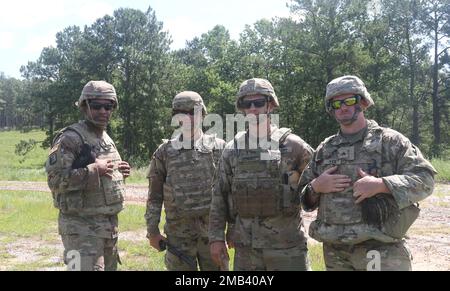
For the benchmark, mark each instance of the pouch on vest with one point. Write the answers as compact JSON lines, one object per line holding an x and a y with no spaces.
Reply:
{"x":398,"y":225}
{"x":382,"y":212}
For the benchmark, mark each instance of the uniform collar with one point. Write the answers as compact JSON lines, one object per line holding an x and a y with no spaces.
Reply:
{"x":364,"y":134}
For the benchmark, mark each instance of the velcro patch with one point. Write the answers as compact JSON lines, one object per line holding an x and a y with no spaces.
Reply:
{"x":52,"y":159}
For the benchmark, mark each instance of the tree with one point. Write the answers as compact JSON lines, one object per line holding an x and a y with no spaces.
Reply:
{"x":436,"y":18}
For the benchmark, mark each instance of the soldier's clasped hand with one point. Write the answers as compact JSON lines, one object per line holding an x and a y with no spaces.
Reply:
{"x":368,"y":186}
{"x":330,"y":183}
{"x":105,"y":168}
{"x":125,"y":169}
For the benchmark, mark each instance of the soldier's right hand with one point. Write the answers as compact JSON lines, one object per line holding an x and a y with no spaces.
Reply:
{"x":330,"y":183}
{"x":218,"y":251}
{"x":154,"y":241}
{"x":104,"y":168}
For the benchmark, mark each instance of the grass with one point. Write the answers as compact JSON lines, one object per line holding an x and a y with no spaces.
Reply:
{"x":29,"y":219}
{"x":26,"y":213}
{"x":316,"y":260}
{"x":22,"y":168}
{"x":138,"y":176}
{"x":443,"y":169}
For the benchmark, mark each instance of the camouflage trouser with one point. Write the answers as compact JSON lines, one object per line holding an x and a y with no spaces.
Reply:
{"x":96,"y":253}
{"x":250,"y":259}
{"x":196,"y":248}
{"x":369,"y":255}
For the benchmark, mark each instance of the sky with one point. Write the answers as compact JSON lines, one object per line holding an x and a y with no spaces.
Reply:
{"x":27,"y":26}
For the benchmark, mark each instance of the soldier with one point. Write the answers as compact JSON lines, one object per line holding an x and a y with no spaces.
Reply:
{"x":256,"y":195}
{"x":86,"y":177}
{"x":181,"y":178}
{"x":365,"y":181}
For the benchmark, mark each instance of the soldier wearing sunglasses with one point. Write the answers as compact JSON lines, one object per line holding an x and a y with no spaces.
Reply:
{"x":365,"y":181}
{"x":86,"y":176}
{"x":255,"y":198}
{"x":180,"y":178}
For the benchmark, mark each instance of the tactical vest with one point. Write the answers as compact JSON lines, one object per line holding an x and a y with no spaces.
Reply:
{"x":257,"y":188}
{"x":188,"y":185}
{"x":339,"y":219}
{"x":107,"y":198}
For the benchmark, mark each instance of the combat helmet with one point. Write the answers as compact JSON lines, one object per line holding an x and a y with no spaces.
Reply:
{"x":256,"y":86}
{"x":347,"y":85}
{"x":98,"y":90}
{"x":187,"y":101}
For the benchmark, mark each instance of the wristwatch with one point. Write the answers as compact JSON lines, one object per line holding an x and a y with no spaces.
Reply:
{"x":311,"y":190}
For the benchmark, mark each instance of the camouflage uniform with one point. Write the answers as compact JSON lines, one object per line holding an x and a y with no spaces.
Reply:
{"x":181,"y":179}
{"x":257,"y":198}
{"x":380,"y":152}
{"x":88,"y":204}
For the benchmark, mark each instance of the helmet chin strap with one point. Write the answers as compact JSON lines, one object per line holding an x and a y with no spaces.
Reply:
{"x":358,"y":110}
{"x":89,"y":117}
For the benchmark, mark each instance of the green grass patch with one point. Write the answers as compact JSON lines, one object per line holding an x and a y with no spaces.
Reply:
{"x":138,"y":176}
{"x":132,"y":218}
{"x":24,"y":213}
{"x":443,"y":169}
{"x":139,"y":256}
{"x":29,"y":167}
{"x":315,"y":256}
{"x":41,"y":264}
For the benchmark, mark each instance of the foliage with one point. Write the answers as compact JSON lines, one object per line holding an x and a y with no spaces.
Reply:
{"x":399,"y":48}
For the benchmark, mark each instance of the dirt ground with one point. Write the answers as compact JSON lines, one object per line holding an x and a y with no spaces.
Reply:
{"x":429,"y":238}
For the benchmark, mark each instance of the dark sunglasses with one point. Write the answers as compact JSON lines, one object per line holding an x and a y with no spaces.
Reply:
{"x":175,"y":112}
{"x":99,"y":106}
{"x":247,"y":104}
{"x":350,"y":101}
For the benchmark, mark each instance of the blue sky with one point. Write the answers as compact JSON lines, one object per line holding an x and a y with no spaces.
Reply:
{"x":27,"y":26}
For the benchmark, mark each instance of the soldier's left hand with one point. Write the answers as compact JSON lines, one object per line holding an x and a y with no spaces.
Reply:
{"x":366,"y":187}
{"x":125,"y":169}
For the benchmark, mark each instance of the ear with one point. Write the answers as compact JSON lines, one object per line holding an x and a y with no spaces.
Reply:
{"x":364,"y":104}
{"x":271,"y":107}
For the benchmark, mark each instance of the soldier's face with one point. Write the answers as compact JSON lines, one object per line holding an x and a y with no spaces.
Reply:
{"x":100,"y":111}
{"x":256,"y":104}
{"x":344,"y":115}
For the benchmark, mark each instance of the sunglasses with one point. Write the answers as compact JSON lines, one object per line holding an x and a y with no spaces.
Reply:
{"x":350,"y":101}
{"x":99,"y":106}
{"x":247,"y":104}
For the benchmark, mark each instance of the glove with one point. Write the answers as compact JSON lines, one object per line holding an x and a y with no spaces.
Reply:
{"x":86,"y":157}
{"x":377,"y":210}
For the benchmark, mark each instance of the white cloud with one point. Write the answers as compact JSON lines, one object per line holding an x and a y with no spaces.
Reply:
{"x":6,"y":40}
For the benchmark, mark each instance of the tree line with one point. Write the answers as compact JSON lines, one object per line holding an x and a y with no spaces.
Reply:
{"x":399,"y":48}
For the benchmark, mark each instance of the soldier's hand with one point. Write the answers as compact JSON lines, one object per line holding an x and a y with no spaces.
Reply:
{"x":330,"y":183}
{"x":218,"y":251}
{"x":104,"y":168}
{"x":125,"y":169}
{"x":154,"y":241}
{"x":368,"y":186}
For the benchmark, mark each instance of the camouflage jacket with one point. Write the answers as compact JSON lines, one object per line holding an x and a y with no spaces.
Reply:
{"x":386,"y":154}
{"x":280,"y":230}
{"x":181,"y":179}
{"x":88,"y":204}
